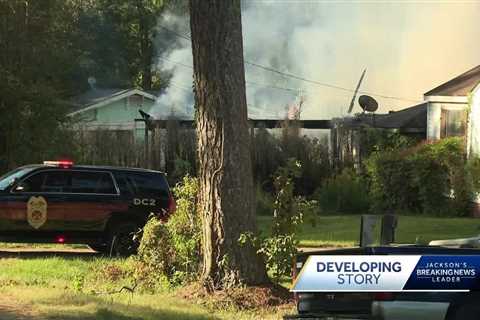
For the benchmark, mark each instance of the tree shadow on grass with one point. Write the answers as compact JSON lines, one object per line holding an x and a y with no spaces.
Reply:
{"x":101,"y":309}
{"x":105,"y":314}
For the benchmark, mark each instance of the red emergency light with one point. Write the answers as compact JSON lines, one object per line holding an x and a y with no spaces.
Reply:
{"x":59,"y":163}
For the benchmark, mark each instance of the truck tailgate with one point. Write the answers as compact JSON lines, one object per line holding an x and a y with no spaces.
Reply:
{"x":338,"y":302}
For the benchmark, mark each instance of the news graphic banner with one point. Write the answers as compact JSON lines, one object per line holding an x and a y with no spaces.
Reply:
{"x":389,"y":273}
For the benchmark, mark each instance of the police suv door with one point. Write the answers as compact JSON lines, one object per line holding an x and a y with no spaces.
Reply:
{"x":36,"y":203}
{"x":94,"y":197}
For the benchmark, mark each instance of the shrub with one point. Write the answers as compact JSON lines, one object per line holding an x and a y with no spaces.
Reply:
{"x":285,"y":217}
{"x":279,"y":252}
{"x":390,"y":184}
{"x":172,"y":249}
{"x":345,"y":193}
{"x":431,"y":178}
{"x":381,"y":140}
{"x":185,"y":230}
{"x":156,"y":248}
{"x":289,"y":212}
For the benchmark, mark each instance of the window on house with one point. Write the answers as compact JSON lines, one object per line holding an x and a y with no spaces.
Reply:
{"x":454,"y":123}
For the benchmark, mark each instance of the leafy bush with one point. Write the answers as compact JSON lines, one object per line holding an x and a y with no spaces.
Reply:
{"x":279,"y":252}
{"x":345,"y":193}
{"x":389,"y":182}
{"x":431,"y":178}
{"x":286,"y":218}
{"x":185,"y":230}
{"x":289,"y":212}
{"x":156,"y":248}
{"x":172,"y":249}
{"x":381,"y":140}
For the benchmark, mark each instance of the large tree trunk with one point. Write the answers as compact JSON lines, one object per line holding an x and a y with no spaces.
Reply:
{"x":225,"y":168}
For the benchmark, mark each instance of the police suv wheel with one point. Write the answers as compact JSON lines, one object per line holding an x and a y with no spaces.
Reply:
{"x":123,"y":240}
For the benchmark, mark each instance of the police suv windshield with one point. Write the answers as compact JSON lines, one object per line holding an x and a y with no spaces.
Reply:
{"x":7,"y":179}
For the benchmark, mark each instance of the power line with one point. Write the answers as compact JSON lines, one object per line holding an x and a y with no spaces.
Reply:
{"x":293,"y":91}
{"x":293,"y":76}
{"x":290,"y":90}
{"x":247,"y":82}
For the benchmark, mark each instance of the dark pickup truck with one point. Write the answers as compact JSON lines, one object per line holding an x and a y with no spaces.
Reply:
{"x":386,"y":305}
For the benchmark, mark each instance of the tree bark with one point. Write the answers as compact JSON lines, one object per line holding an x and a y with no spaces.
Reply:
{"x":226,"y":199}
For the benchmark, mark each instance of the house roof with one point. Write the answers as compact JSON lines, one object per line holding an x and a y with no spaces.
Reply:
{"x":96,"y":98}
{"x":412,"y":119}
{"x":458,"y":86}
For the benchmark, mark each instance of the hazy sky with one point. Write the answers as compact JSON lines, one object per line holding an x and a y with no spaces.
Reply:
{"x":407,"y":48}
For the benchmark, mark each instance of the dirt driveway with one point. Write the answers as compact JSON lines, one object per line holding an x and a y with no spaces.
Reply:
{"x":46,"y":252}
{"x":13,"y":310}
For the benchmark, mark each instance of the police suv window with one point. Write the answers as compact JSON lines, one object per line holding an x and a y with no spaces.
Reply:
{"x":32,"y":184}
{"x":124,"y":184}
{"x":7,"y":179}
{"x":48,"y":181}
{"x":92,"y":182}
{"x":56,"y":181}
{"x":151,"y":185}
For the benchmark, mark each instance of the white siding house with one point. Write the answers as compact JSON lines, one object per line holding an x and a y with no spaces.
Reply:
{"x":111,"y":109}
{"x":452,"y":109}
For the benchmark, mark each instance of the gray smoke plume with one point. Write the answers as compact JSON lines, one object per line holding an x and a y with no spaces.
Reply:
{"x":407,"y":49}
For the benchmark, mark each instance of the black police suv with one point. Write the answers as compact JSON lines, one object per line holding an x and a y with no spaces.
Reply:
{"x":59,"y":202}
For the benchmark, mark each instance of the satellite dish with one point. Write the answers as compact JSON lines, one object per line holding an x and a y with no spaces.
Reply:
{"x":367,"y":103}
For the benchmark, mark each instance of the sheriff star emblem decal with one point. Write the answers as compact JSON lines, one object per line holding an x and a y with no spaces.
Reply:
{"x":36,"y":211}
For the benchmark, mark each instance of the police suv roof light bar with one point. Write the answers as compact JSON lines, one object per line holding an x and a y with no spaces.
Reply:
{"x":60,"y":163}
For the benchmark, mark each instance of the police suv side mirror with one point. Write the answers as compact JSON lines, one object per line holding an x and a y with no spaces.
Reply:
{"x":17,"y":187}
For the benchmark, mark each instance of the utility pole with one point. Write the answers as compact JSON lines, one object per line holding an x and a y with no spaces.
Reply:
{"x":147,"y":120}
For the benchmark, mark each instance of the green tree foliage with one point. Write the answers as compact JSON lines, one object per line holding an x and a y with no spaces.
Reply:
{"x":35,"y":64}
{"x":48,"y":50}
{"x":134,"y":24}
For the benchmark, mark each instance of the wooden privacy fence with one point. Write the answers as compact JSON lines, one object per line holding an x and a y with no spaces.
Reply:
{"x":166,"y":144}
{"x":160,"y":151}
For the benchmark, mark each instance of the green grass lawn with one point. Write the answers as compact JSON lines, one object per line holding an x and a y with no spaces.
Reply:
{"x":74,"y":286}
{"x":344,"y":230}
{"x":60,"y":287}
